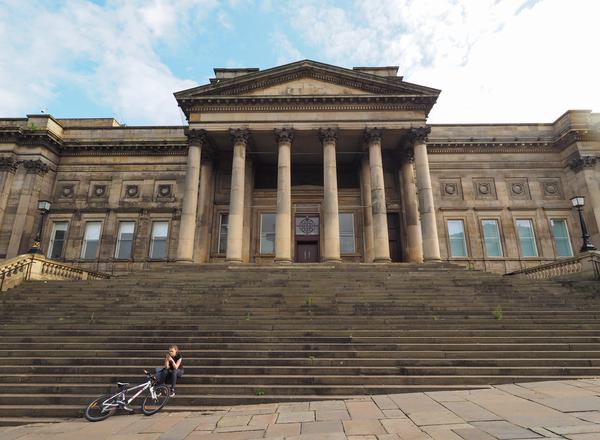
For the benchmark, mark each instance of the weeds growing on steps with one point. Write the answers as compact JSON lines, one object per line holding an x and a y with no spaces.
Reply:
{"x":498,"y":312}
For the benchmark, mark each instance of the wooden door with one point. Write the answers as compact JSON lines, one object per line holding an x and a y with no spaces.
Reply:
{"x":307,"y":252}
{"x":393,"y":221}
{"x":307,"y":238}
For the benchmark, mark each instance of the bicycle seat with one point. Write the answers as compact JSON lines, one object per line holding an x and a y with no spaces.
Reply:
{"x":122,"y":384}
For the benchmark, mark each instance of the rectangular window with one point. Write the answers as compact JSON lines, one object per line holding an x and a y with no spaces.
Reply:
{"x":491,"y":238}
{"x":267,"y":233}
{"x":456,"y":234}
{"x":346,"y":233}
{"x":223,"y":225}
{"x":560,"y":233}
{"x":91,"y":240}
{"x":527,"y":238}
{"x":57,"y":240}
{"x":158,"y":243}
{"x":125,"y":240}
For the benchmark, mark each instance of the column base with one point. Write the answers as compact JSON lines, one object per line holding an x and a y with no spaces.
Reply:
{"x":332,"y":260}
{"x":184,"y":260}
{"x":283,"y":261}
{"x":382,"y":260}
{"x":432,"y":260}
{"x":233,"y":260}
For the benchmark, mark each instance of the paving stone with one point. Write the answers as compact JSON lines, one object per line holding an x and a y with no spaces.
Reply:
{"x":328,"y":436}
{"x":332,"y":415}
{"x":182,"y":429}
{"x":444,"y":432}
{"x":387,"y":437}
{"x":233,"y":421}
{"x":293,"y":407}
{"x":321,"y":427}
{"x":588,"y":416}
{"x":384,"y":402}
{"x":393,"y":414}
{"x":446,"y":396}
{"x":405,"y":429}
{"x":505,"y":430}
{"x":297,"y":416}
{"x":470,"y":412}
{"x":328,"y":405}
{"x":239,"y":429}
{"x":575,"y":429}
{"x":284,"y":430}
{"x":473,"y":434}
{"x":263,"y":420}
{"x":361,"y":437}
{"x":239,"y":435}
{"x":423,"y":410}
{"x":582,"y":437}
{"x":444,"y":417}
{"x":364,"y":410}
{"x":149,"y":436}
{"x":570,"y":404}
{"x":163,"y":424}
{"x":363,"y":427}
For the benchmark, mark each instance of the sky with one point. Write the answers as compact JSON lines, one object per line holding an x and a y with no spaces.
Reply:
{"x":494,"y":60}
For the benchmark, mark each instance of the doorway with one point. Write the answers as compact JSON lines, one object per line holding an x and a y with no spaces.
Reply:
{"x":307,"y":238}
{"x":393,"y":221}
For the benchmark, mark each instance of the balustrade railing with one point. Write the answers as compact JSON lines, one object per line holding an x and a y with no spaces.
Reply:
{"x":587,"y":264}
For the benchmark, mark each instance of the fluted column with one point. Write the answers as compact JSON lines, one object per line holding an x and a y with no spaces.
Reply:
{"x":365,"y":180}
{"x":381,"y":242}
{"x":431,"y":244}
{"x":414,"y":244}
{"x":283,"y":223}
{"x":187,"y":225}
{"x":331,"y":220}
{"x":240,"y":138}
{"x":205,"y":195}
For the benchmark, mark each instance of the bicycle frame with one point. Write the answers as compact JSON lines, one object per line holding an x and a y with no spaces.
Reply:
{"x":122,"y":394}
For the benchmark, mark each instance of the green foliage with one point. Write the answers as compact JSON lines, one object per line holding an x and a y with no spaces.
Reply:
{"x":498,"y":312}
{"x":248,"y":315}
{"x":260,"y":392}
{"x":32,"y":126}
{"x":309,"y":301}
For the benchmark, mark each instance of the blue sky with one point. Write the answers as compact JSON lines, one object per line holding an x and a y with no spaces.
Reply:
{"x":495,"y":60}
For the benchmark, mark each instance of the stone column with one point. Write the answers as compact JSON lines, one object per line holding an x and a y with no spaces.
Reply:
{"x":235,"y":231}
{"x":187,"y":225}
{"x":8,"y":167}
{"x":205,"y":195}
{"x":331,"y":220}
{"x":431,"y":244}
{"x":365,"y":180}
{"x":414,"y":243}
{"x":381,"y":242}
{"x":26,"y":215}
{"x":283,"y":224}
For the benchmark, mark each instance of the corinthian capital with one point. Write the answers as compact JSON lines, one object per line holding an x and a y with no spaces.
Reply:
{"x":8,"y":163}
{"x":327,"y":135}
{"x":419,"y":134}
{"x":197,"y":137}
{"x":36,"y":167}
{"x":284,"y":135}
{"x":239,"y":135}
{"x":373,"y":135}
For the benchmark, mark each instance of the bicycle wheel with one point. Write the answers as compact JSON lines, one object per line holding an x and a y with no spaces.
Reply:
{"x":152,"y":406}
{"x":95,"y":411}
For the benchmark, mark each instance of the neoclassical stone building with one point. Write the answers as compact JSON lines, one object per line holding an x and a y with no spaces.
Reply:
{"x":304,"y":162}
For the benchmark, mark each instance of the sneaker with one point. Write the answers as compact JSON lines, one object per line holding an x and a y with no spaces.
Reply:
{"x":172,"y":394}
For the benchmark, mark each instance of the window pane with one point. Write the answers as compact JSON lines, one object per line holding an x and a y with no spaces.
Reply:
{"x":57,"y":239}
{"x":526,"y":238}
{"x":561,"y":238}
{"x":456,"y":233}
{"x":346,"y":233}
{"x":158,"y":245}
{"x":125,"y":240}
{"x":223,"y":233}
{"x":91,"y":240}
{"x":267,"y":233}
{"x":491,"y":237}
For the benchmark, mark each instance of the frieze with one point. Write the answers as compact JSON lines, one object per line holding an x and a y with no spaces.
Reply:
{"x":125,"y":149}
{"x":489,"y":147}
{"x":284,"y":135}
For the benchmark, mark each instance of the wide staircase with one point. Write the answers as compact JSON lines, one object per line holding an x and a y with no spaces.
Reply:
{"x":253,"y":334}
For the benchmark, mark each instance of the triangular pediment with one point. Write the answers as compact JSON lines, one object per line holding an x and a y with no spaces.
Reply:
{"x":306,"y":78}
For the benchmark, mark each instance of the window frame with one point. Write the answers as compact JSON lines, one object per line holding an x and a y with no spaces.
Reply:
{"x":219,"y":225}
{"x":166,"y":239}
{"x":351,"y":213}
{"x":118,"y":241}
{"x":465,"y":241}
{"x":260,"y":232}
{"x":566,"y":222}
{"x":52,"y":240}
{"x":500,"y":240}
{"x":535,"y":241}
{"x":84,"y":241}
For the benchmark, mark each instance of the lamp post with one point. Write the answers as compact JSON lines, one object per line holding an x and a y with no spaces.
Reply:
{"x":44,"y":207}
{"x":578,"y":203}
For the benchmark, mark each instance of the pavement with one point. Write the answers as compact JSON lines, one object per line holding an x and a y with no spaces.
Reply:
{"x":568,"y":409}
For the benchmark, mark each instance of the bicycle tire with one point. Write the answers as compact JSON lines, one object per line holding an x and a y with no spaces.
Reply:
{"x":90,"y":414}
{"x":152,"y":406}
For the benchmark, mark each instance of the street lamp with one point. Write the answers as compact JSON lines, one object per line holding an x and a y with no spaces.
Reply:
{"x":578,"y":203}
{"x":44,"y":207}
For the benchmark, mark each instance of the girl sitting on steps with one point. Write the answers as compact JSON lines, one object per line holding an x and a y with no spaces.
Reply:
{"x":172,"y":368}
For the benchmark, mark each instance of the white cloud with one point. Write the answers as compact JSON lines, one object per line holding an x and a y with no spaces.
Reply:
{"x":509,"y":60}
{"x":109,"y":50}
{"x":285,"y":50}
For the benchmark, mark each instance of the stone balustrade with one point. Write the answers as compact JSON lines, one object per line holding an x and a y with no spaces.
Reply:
{"x":586,"y":265}
{"x":37,"y":267}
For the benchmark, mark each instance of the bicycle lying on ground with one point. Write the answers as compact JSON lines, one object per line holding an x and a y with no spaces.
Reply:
{"x":105,"y":406}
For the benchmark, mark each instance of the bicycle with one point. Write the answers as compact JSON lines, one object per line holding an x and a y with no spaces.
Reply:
{"x":105,"y":406}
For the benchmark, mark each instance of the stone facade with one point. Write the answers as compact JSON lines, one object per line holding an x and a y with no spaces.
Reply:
{"x":303,"y":162}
